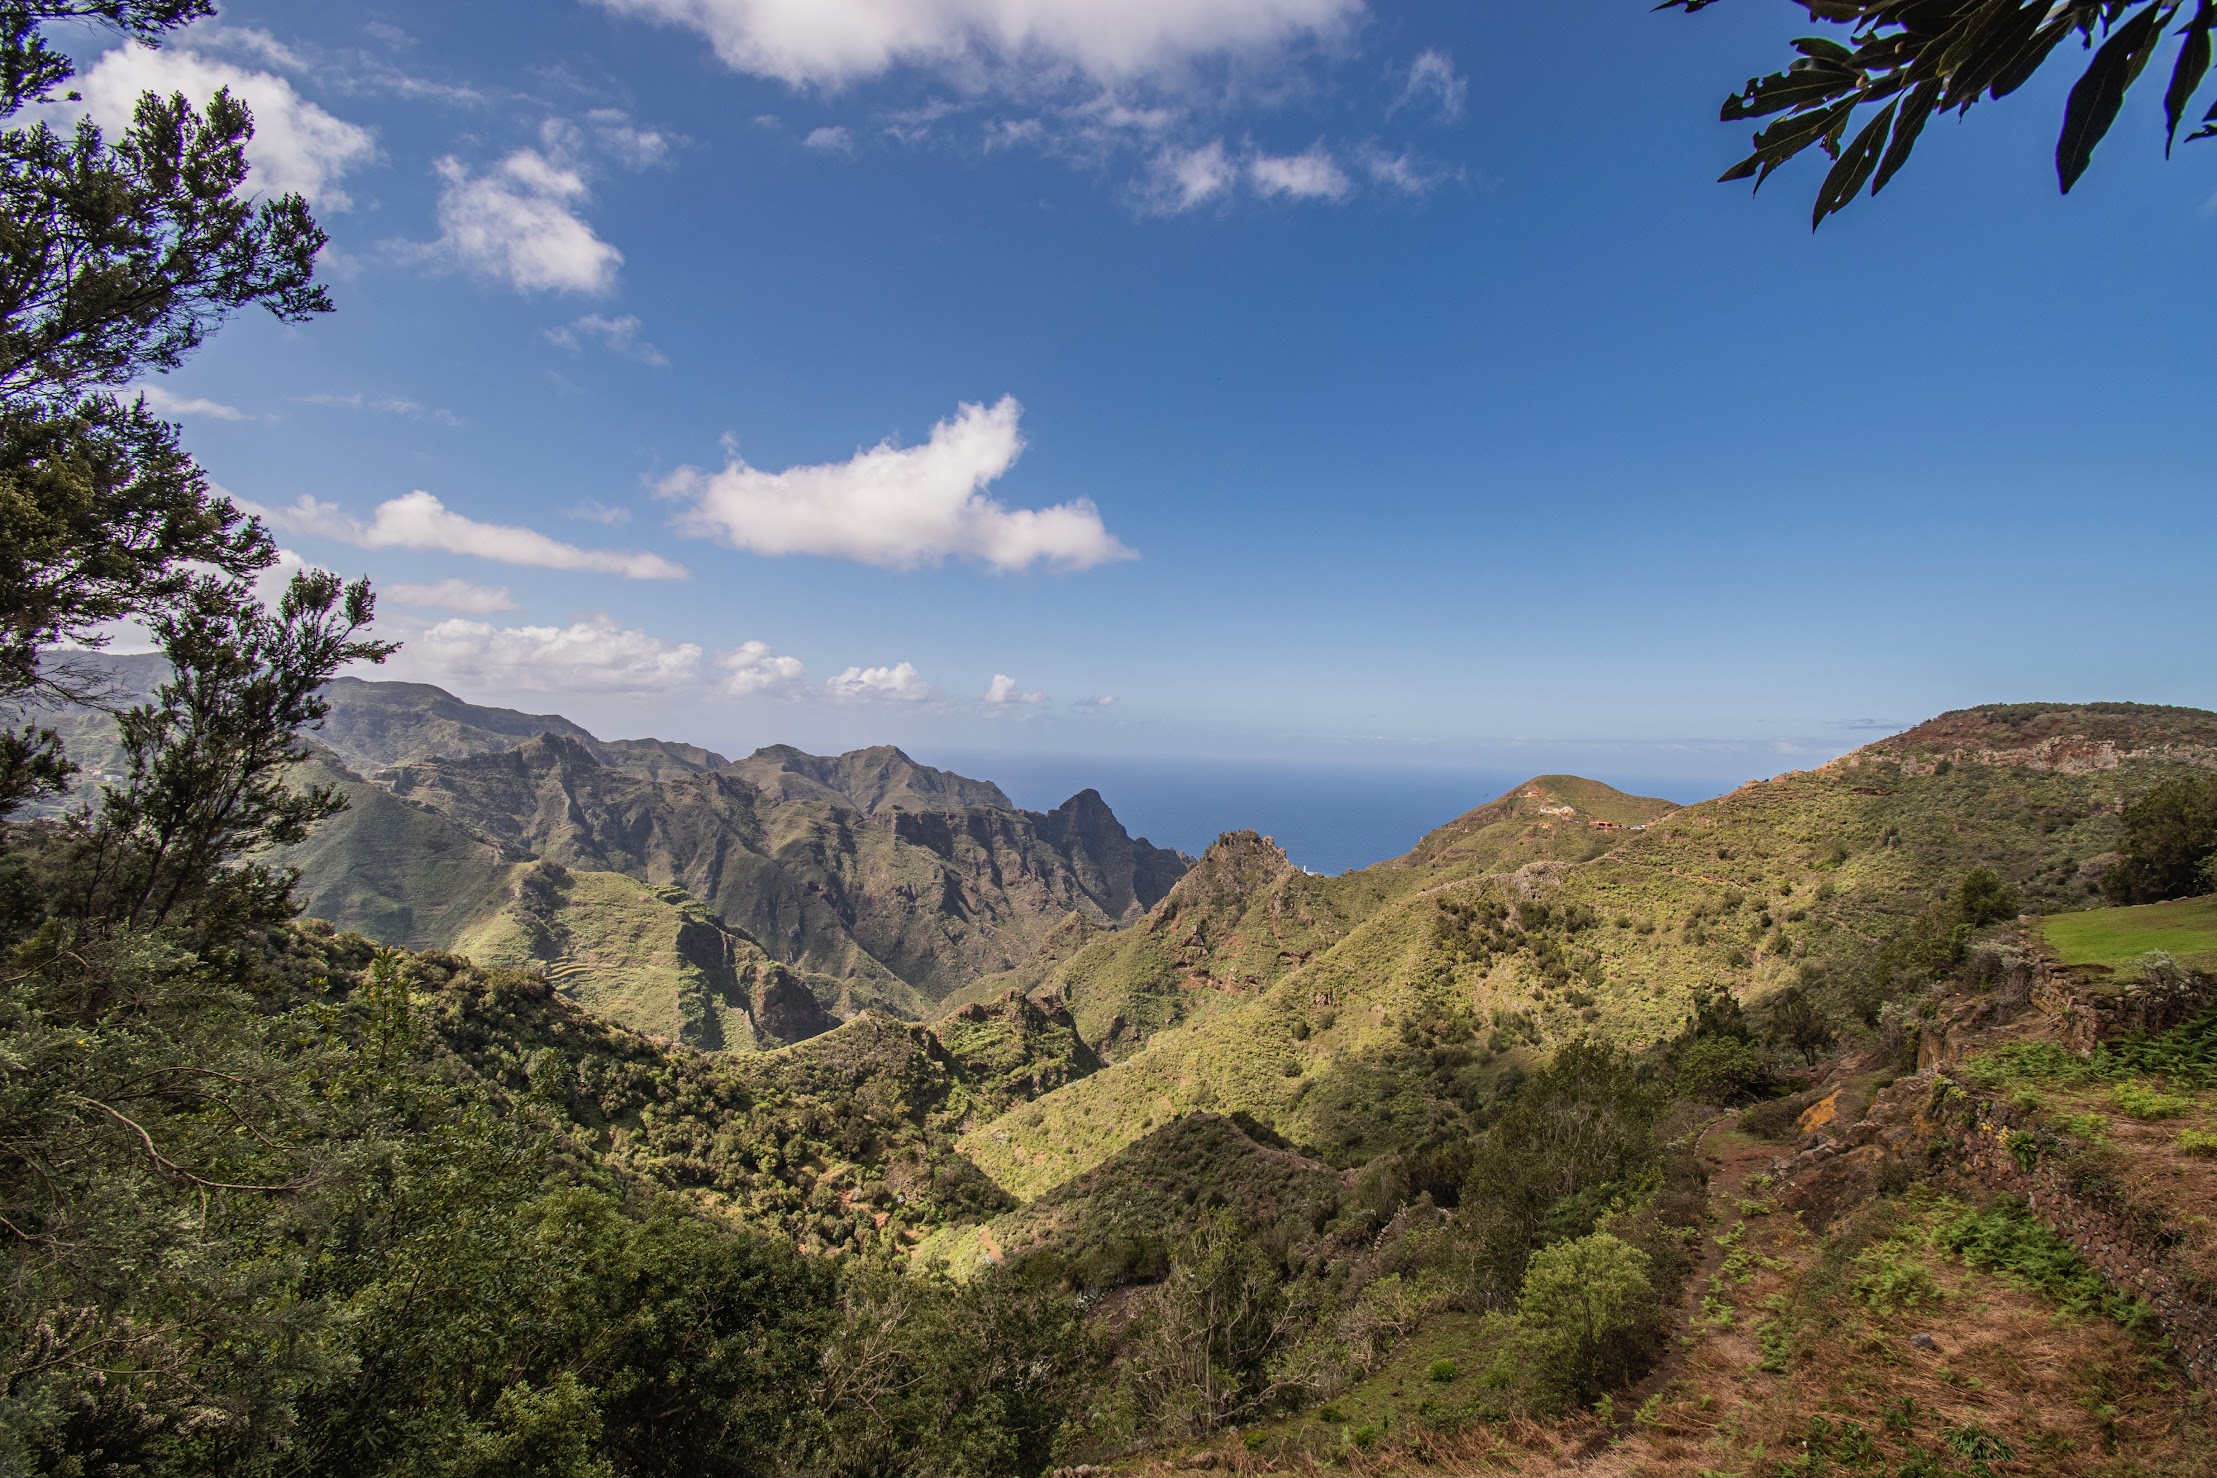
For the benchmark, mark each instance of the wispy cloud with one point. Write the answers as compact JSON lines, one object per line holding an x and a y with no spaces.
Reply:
{"x":1182,"y":179}
{"x":451,"y":595}
{"x":899,"y":507}
{"x":1309,"y":175}
{"x":1403,"y":172}
{"x":420,"y":521}
{"x":832,"y":139}
{"x":1433,"y":83}
{"x":606,"y":514}
{"x":384,"y":405}
{"x":165,"y":403}
{"x":809,"y":43}
{"x":622,"y":336}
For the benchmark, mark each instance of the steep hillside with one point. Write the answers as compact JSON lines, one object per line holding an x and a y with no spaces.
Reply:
{"x":879,"y":882}
{"x":843,"y":1142}
{"x":375,"y":724}
{"x":868,"y":780}
{"x":397,"y":872}
{"x":1244,"y":915}
{"x":902,"y":905}
{"x":652,"y":959}
{"x":1401,"y":1030}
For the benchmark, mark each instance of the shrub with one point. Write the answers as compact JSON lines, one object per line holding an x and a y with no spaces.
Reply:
{"x":1982,"y":898}
{"x":2198,"y":1142}
{"x":1590,"y":1308}
{"x":2170,"y":834}
{"x":1441,"y":1371}
{"x":1798,"y":1023}
{"x":2144,"y":1102}
{"x":1720,"y":1070}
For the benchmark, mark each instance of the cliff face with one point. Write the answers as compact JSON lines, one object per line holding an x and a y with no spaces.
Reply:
{"x":881,"y":881}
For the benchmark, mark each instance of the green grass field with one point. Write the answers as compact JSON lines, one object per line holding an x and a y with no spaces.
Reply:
{"x":2185,"y":928}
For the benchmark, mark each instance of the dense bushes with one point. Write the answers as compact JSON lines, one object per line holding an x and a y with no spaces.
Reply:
{"x":2170,"y":840}
{"x":1591,"y":1314}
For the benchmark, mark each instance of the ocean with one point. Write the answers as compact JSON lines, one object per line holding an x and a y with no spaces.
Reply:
{"x":1328,"y":819}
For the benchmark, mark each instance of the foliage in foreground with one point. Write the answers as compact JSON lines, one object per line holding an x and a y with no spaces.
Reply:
{"x":1910,"y":59}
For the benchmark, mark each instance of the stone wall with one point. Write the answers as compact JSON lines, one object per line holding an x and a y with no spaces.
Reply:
{"x":2084,"y":1012}
{"x":2006,"y":1152}
{"x":1930,"y":1117}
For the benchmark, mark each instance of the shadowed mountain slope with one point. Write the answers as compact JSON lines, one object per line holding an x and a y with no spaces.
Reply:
{"x":902,"y":905}
{"x":877,"y":881}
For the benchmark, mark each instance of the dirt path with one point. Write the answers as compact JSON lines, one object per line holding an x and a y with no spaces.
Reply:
{"x":1732,"y":1159}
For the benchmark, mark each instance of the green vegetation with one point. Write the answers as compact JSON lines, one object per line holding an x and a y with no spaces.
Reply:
{"x":2119,"y":937}
{"x":895,"y":907}
{"x":2169,"y":841}
{"x":1815,"y":899}
{"x":1912,"y":59}
{"x":1374,"y":1158}
{"x":1590,"y":1310}
{"x":1245,"y":917}
{"x":653,"y":959}
{"x":2004,"y":1238}
{"x":2184,"y":1058}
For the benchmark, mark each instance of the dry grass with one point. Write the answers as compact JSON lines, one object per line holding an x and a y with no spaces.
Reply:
{"x":2066,"y":1396}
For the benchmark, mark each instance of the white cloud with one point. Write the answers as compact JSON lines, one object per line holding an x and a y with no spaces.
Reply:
{"x":832,"y":140}
{"x":385,"y":405}
{"x":451,"y":595}
{"x":1400,"y":172}
{"x":1003,"y":692}
{"x":1181,"y":179}
{"x":606,"y":514}
{"x":420,"y":521}
{"x":593,"y":654}
{"x":1104,"y":701}
{"x":631,"y":145}
{"x":296,"y":145}
{"x":617,"y":335}
{"x":165,"y":403}
{"x":899,"y":507}
{"x":1433,"y":81}
{"x":519,"y":225}
{"x":752,"y":670}
{"x":1310,"y":175}
{"x":897,"y":684}
{"x":271,"y":584}
{"x":805,"y":42}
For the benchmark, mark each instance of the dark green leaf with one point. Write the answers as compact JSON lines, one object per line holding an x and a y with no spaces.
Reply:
{"x":1917,"y":108}
{"x":1854,"y":166}
{"x":2100,"y":93}
{"x":2193,"y":65}
{"x":2029,"y":60}
{"x":1823,"y":49}
{"x":1989,"y":50}
{"x":1799,"y":86}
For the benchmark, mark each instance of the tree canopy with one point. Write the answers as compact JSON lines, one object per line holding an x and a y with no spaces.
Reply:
{"x":1910,"y":59}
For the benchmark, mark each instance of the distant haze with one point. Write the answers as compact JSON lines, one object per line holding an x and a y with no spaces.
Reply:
{"x":1328,"y":818}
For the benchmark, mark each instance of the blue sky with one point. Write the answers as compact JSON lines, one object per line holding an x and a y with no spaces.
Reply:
{"x":1320,"y":381}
